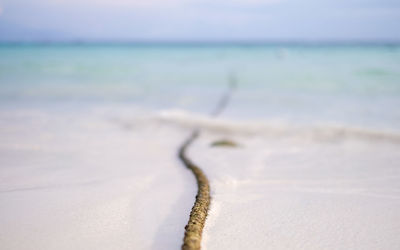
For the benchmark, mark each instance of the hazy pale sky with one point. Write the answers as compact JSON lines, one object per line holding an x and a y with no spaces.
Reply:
{"x":199,"y":20}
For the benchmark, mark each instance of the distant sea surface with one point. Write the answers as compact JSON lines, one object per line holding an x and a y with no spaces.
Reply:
{"x":301,"y":84}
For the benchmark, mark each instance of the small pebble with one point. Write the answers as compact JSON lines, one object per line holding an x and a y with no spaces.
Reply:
{"x":224,"y":143}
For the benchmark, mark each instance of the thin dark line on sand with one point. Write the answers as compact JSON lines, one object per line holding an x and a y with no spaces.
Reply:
{"x":198,"y":215}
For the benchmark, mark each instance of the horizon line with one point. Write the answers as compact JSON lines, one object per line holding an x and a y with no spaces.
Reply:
{"x":205,"y":42}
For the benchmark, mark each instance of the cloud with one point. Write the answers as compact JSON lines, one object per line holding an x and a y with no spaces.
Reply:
{"x":129,"y":3}
{"x":163,"y":3}
{"x":207,"y":19}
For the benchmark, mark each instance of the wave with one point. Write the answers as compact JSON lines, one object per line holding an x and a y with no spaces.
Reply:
{"x":273,"y":128}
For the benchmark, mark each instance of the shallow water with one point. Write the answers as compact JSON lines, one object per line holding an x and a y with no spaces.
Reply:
{"x":349,"y":84}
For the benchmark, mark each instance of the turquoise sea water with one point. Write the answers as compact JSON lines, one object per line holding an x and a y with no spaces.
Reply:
{"x":345,"y":84}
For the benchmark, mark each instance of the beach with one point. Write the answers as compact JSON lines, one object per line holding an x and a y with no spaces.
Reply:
{"x":90,"y":137}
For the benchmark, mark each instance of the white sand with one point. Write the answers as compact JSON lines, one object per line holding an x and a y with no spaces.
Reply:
{"x":296,"y":195}
{"x":105,"y":180}
{"x":86,"y":182}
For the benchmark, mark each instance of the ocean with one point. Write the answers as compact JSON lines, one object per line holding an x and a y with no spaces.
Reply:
{"x":345,"y":84}
{"x":90,"y":133}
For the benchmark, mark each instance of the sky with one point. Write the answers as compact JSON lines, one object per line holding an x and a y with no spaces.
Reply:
{"x":199,"y":20}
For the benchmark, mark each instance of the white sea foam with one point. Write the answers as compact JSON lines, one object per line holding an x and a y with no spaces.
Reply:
{"x":274,"y":128}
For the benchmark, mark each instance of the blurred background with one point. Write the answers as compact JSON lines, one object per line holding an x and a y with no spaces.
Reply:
{"x":302,"y":61}
{"x":199,"y":20}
